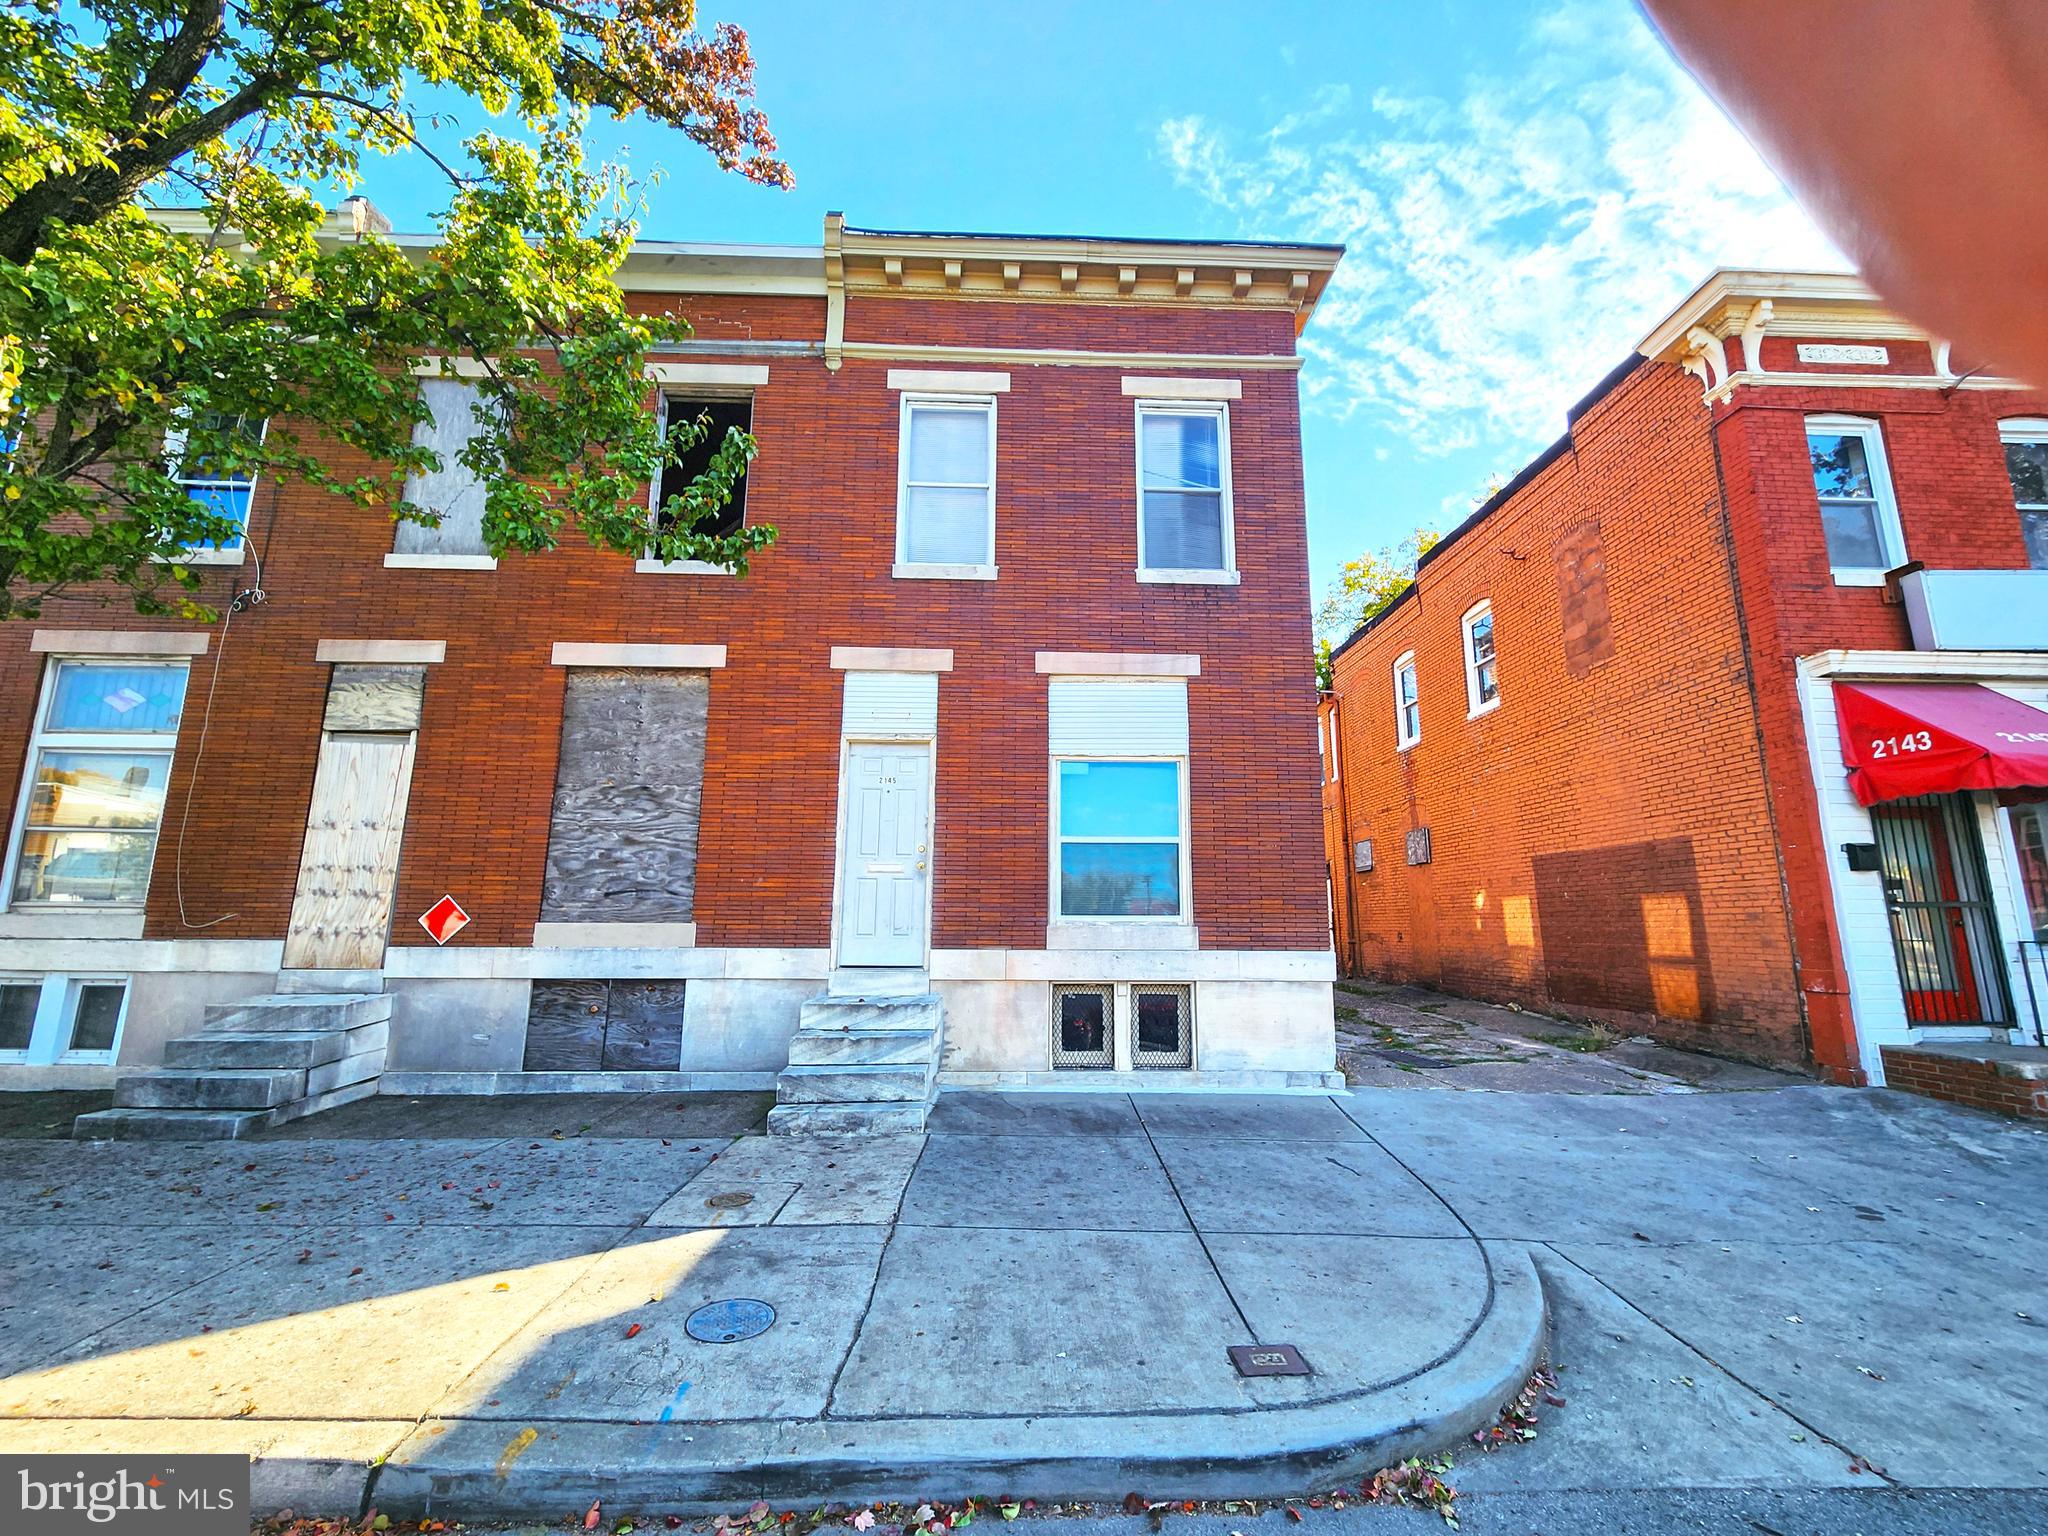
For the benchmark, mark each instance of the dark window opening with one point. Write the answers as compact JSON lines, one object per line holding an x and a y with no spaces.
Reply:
{"x":724,"y":415}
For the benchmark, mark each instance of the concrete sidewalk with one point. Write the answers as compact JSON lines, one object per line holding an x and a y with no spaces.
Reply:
{"x":1038,"y":1295}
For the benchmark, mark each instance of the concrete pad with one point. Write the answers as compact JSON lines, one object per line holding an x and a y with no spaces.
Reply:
{"x":64,"y":1283}
{"x":1032,"y":1182}
{"x":833,"y":1181}
{"x":575,"y":1362}
{"x":979,"y":1322}
{"x":1913,"y":1356}
{"x":971,"y":1113}
{"x":1643,"y":1410}
{"x":1291,"y":1117}
{"x":680,"y":1116}
{"x":303,"y":1464}
{"x":583,"y":1181}
{"x":373,"y":1324}
{"x":1301,"y":1186}
{"x":47,"y":1115}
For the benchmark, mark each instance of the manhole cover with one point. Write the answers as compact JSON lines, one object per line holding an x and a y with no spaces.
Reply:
{"x":1268,"y":1360}
{"x":730,"y":1201}
{"x":728,"y":1322}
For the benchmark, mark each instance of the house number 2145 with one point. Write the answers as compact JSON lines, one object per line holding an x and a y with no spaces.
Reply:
{"x":1892,"y":746}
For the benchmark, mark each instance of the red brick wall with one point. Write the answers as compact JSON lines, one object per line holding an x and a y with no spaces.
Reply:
{"x":1956,"y":511}
{"x":1979,"y":1084}
{"x":1600,"y":842}
{"x":826,"y":477}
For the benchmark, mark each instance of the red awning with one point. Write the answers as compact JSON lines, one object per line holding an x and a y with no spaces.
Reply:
{"x":1934,"y":738}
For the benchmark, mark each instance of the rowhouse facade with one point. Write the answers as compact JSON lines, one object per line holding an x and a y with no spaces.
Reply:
{"x":1615,"y":751}
{"x":1013,"y":711}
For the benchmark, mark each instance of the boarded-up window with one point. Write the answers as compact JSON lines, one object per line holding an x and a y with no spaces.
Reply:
{"x":453,"y":492}
{"x":1582,"y":598}
{"x":622,"y":842}
{"x":605,"y":1026}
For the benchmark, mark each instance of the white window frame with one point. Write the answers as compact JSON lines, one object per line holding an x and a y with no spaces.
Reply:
{"x":1891,"y":534}
{"x":41,"y":739}
{"x":1227,"y":575}
{"x":57,"y":1016}
{"x":1182,"y":919}
{"x":1405,"y":662}
{"x":174,"y":461}
{"x":1336,"y":750}
{"x":2023,"y":429}
{"x":904,"y":567}
{"x":1475,"y":705}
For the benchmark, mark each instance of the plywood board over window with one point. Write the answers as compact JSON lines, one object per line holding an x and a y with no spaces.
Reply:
{"x":622,"y":841}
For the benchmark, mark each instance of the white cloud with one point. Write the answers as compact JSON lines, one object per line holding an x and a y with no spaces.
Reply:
{"x":1508,"y":246}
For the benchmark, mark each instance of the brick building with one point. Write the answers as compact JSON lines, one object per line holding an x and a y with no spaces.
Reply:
{"x":1012,"y":715}
{"x":1594,"y":758}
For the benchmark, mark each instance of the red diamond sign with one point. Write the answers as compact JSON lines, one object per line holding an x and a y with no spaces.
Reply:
{"x":444,"y":919}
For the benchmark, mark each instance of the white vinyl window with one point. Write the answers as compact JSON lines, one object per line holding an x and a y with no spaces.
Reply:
{"x":212,"y":473}
{"x":1336,"y":752}
{"x":48,"y":1019}
{"x":946,"y":488}
{"x":1184,"y":514}
{"x":2026,"y":465}
{"x":93,"y":797}
{"x":1121,"y":830}
{"x":1407,"y":703}
{"x":454,"y":492}
{"x":1858,"y":513}
{"x":1482,"y":677}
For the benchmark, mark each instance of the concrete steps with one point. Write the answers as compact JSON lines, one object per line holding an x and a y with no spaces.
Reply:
{"x":860,"y":1064}
{"x":252,"y":1065}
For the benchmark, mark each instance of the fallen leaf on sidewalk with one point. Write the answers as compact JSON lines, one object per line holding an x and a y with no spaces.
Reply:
{"x":590,"y":1520}
{"x":632,"y":1330}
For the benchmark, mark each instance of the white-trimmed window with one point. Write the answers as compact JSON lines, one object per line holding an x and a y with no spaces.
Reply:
{"x":1482,"y":676}
{"x":946,"y":487}
{"x":213,"y":477}
{"x":1184,"y":517}
{"x":93,"y":798}
{"x":1336,"y":751}
{"x":1407,"y":703}
{"x":454,"y":492}
{"x":48,"y":1019}
{"x":1120,"y":826}
{"x":2026,"y":466}
{"x":1859,"y":515}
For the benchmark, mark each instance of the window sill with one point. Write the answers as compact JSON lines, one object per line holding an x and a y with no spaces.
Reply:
{"x":1483,"y":709}
{"x":1099,"y":933}
{"x":1858,"y":578}
{"x":66,"y":922}
{"x":908,"y":571}
{"x":233,"y":556}
{"x":679,"y":568}
{"x":1172,"y":578}
{"x":1411,"y":743}
{"x":398,"y":562}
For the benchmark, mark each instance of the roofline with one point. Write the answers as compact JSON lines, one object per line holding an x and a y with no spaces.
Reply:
{"x":1098,"y":246}
{"x":1592,"y":397}
{"x":1728,"y":286}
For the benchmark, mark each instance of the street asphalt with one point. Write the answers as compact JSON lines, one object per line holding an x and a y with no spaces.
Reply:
{"x":1782,"y":1309}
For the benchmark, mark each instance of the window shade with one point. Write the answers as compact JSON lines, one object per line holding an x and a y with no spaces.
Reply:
{"x":1091,"y":717}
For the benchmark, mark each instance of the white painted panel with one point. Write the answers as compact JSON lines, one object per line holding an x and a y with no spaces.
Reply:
{"x":891,"y":704}
{"x":1093,"y":717}
{"x":1977,"y":610}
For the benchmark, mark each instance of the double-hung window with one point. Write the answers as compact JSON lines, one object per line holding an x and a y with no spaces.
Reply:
{"x":946,"y":492}
{"x":1482,"y":676}
{"x":210,"y":460}
{"x":1121,"y":830}
{"x":1858,"y":513}
{"x":1407,"y":703}
{"x":1184,"y":516}
{"x":2026,"y":465}
{"x":87,"y":829}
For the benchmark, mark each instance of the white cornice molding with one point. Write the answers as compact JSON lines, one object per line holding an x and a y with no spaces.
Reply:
{"x":1075,"y":357}
{"x":2004,"y":666}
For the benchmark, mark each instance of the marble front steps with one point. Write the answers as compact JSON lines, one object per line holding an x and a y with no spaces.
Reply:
{"x":860,"y":1064}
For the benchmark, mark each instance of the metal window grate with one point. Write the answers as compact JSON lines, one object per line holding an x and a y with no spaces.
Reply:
{"x":1162,"y":1026}
{"x":1083,"y":1027}
{"x":1937,"y":897}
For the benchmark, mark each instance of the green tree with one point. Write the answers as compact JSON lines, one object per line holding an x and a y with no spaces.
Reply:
{"x":1371,"y":582}
{"x":125,"y":331}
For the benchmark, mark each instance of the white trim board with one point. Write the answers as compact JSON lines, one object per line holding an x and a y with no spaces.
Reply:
{"x":572,"y":653}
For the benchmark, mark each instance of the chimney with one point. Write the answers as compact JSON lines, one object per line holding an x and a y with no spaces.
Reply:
{"x":357,"y":216}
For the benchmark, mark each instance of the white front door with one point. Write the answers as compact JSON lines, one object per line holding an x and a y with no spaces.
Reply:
{"x":884,"y":862}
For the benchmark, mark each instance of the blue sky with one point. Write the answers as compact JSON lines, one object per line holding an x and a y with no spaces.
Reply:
{"x":1525,"y":186}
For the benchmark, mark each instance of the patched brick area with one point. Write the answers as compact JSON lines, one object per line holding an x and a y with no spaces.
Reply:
{"x":1959,"y":1079}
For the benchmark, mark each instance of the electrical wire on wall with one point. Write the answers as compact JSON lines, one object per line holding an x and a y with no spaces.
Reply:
{"x":247,"y":597}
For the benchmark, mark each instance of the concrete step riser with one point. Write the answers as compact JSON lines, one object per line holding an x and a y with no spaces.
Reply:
{"x":272,"y":1014}
{"x":872,"y":1085}
{"x":298,"y":1049}
{"x":821,"y":1015}
{"x":345,"y":1072}
{"x":209,"y":1090}
{"x":874,"y":1048}
{"x":844,"y":1119}
{"x":208,"y":1124}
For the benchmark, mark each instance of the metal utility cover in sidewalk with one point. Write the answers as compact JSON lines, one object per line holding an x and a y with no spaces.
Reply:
{"x":1268,"y":1360}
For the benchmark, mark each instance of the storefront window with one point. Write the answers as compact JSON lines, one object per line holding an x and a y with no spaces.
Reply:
{"x":2030,"y":834}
